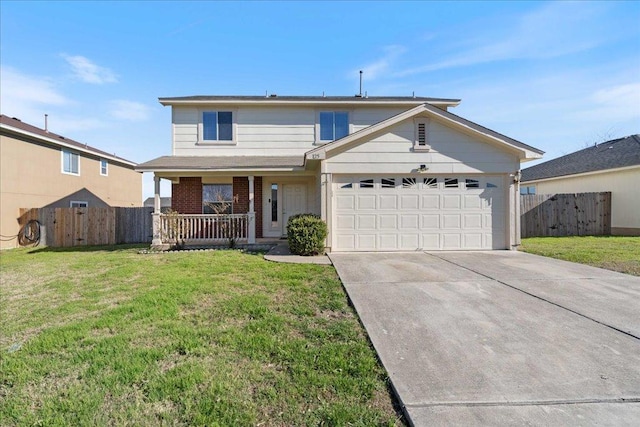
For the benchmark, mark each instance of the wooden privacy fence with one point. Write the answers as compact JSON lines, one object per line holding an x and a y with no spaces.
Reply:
{"x":63,"y":227}
{"x":558,"y":215}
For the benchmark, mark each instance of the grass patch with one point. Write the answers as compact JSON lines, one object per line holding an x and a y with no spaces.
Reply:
{"x":611,"y":252}
{"x":112,"y":337}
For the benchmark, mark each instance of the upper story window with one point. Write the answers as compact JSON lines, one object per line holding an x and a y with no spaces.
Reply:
{"x":217,"y":126}
{"x":70,"y":163}
{"x":421,"y":141}
{"x":104,"y":165}
{"x":333,"y":125}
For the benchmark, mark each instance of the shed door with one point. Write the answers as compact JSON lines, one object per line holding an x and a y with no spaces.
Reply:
{"x":400,"y":213}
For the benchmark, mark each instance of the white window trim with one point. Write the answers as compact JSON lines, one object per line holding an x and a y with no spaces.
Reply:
{"x":234,"y":127}
{"x":86,"y":204}
{"x":62,"y":162}
{"x":417,"y":122}
{"x":317,"y":140}
{"x":106,"y":167}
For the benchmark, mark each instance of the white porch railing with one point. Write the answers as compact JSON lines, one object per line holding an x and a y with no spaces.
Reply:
{"x":203,"y":229}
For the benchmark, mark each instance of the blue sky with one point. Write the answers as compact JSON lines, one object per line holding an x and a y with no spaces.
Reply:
{"x":555,"y":75}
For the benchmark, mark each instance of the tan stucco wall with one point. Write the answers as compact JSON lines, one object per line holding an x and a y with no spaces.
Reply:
{"x":31,"y":176}
{"x":623,"y":185}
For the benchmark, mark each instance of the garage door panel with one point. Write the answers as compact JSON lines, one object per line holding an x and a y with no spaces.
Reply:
{"x":431,"y":241}
{"x":451,"y":241}
{"x":431,"y":222}
{"x":450,"y":201}
{"x":409,"y":201}
{"x":472,"y":241}
{"x":366,"y":222}
{"x":366,"y":201}
{"x":345,"y":201}
{"x":388,"y":201}
{"x":418,"y":213}
{"x":346,"y":222}
{"x":388,"y":221}
{"x":472,"y":221}
{"x":472,"y":201}
{"x":409,"y":221}
{"x":451,"y":221}
{"x":409,"y":242}
{"x":346,"y":242}
{"x":431,"y":201}
{"x":387,"y":242}
{"x":366,"y":242}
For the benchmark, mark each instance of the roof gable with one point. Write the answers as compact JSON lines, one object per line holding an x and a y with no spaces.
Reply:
{"x":614,"y":154}
{"x":525,"y":151}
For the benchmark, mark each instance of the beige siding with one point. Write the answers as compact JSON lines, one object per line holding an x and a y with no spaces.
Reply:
{"x":264,"y":131}
{"x":451,"y":152}
{"x":31,"y":176}
{"x":623,"y":185}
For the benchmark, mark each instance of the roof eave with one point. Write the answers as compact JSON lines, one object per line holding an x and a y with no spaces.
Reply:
{"x":66,"y":145}
{"x":270,"y":101}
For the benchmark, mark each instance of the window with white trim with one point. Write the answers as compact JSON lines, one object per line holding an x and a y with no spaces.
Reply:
{"x":366,"y":183}
{"x":421,"y":141}
{"x":333,"y":125}
{"x":70,"y":163}
{"x":78,"y":204}
{"x":217,"y":126}
{"x":388,"y":183}
{"x":104,"y":165}
{"x":451,"y":183}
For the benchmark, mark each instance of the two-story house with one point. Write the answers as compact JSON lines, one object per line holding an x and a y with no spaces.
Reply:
{"x":385,"y":173}
{"x":39,"y":168}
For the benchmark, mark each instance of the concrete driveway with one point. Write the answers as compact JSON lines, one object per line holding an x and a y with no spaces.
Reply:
{"x":501,"y":338}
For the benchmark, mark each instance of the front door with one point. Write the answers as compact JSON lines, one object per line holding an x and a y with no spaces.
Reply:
{"x":295,"y":202}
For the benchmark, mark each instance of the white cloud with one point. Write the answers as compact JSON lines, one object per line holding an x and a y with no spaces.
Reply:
{"x":554,"y":30}
{"x":129,"y":110}
{"x":378,"y":68}
{"x":26,"y":96}
{"x":88,"y":72}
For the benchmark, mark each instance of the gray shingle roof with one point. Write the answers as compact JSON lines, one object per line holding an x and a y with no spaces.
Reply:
{"x":617,"y":153}
{"x":18,"y":124}
{"x":221,"y":162}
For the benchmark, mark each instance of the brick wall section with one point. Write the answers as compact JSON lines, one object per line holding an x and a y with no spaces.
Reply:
{"x":241,"y":198}
{"x":186,"y":196}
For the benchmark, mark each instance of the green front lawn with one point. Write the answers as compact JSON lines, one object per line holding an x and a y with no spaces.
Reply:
{"x":113,"y":337}
{"x":610,"y":252}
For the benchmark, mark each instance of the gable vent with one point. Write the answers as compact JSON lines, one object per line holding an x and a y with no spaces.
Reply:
{"x":422,"y":134}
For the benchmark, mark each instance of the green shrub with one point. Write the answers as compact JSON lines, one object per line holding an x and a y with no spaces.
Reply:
{"x":306,"y":234}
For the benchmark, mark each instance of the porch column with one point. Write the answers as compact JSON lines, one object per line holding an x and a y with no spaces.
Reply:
{"x":251,"y":237}
{"x":157,"y":238}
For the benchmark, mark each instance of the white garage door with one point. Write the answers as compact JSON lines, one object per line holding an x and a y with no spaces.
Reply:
{"x":426,"y":212}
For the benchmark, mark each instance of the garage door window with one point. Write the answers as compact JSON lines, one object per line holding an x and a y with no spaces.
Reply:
{"x":451,"y":183}
{"x":491,"y":185}
{"x":471,"y":183}
{"x":388,"y":183}
{"x":366,"y":183}
{"x":345,"y":186}
{"x":430,"y":182}
{"x":408,"y":183}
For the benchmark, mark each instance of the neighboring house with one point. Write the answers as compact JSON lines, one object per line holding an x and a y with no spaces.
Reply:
{"x":385,"y":173}
{"x":42,"y":169}
{"x":165,"y":203}
{"x":612,"y":166}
